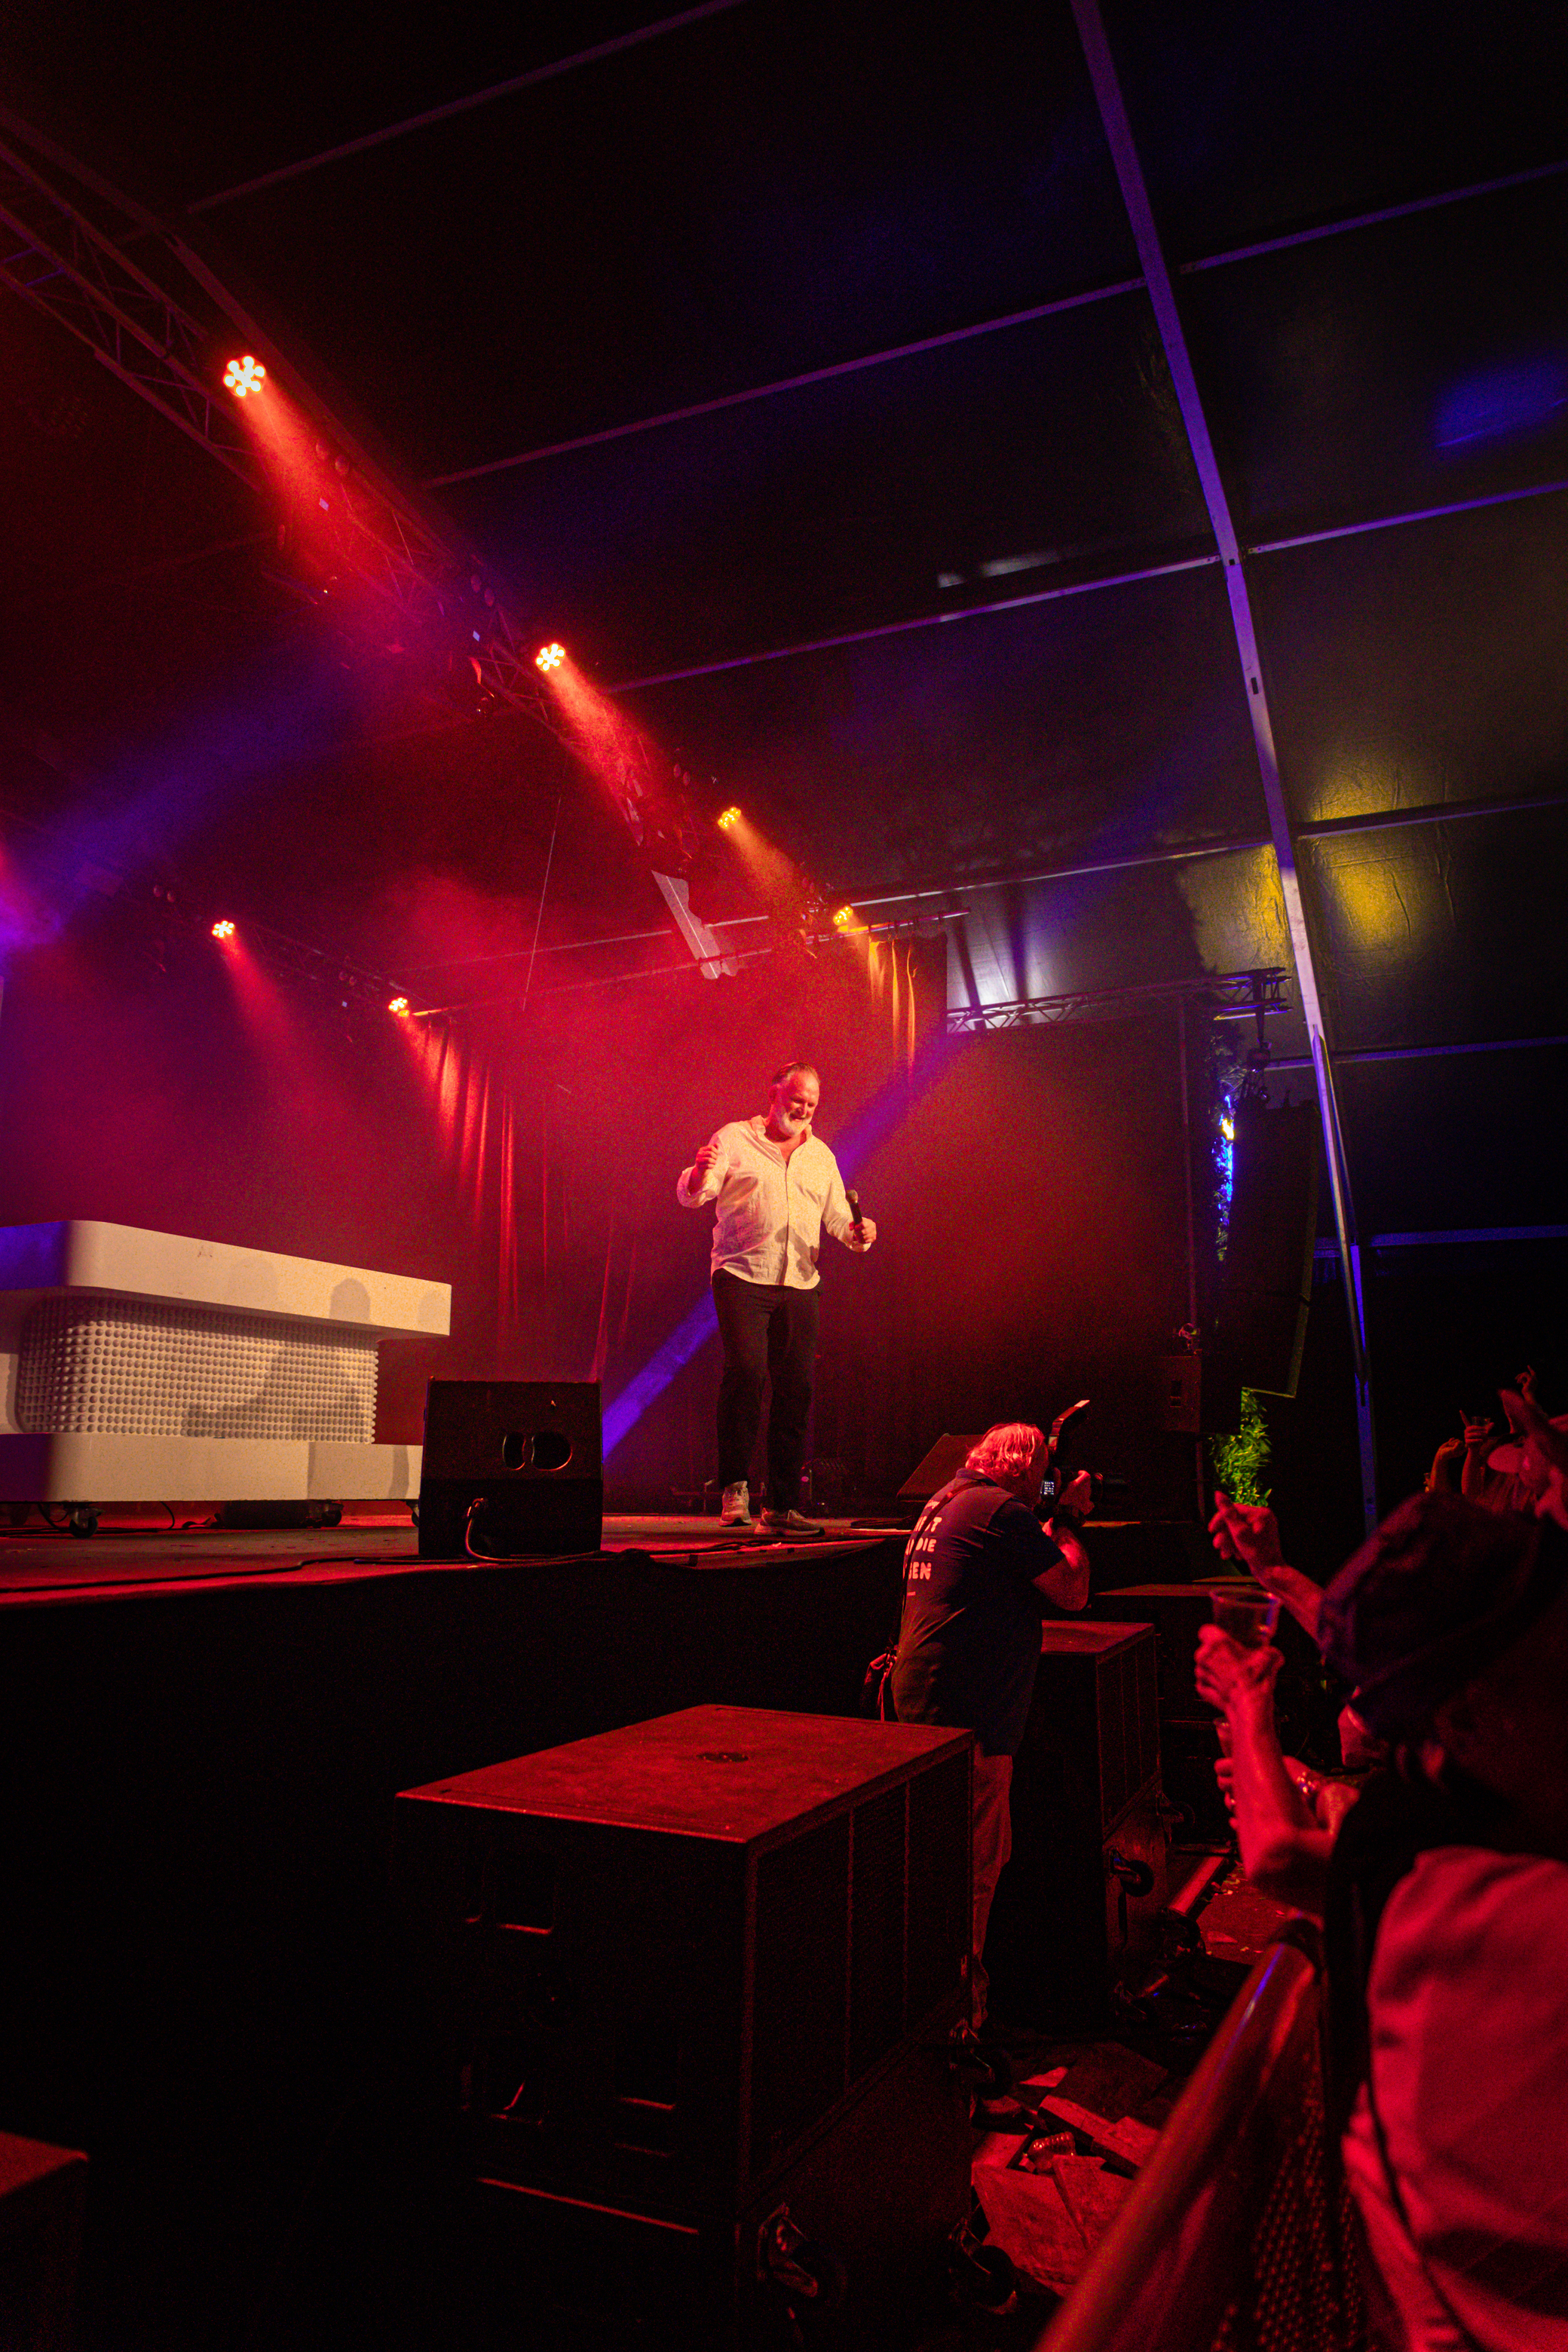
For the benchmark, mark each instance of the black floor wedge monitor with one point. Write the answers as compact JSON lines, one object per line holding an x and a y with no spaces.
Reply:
{"x":512,"y":1469}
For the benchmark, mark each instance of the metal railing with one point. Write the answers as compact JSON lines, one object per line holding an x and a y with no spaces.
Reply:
{"x":1237,"y":2236}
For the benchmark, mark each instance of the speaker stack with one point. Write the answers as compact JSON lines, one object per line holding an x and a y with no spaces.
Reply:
{"x":1076,"y":1907}
{"x":694,"y":1982}
{"x":1266,"y":1282}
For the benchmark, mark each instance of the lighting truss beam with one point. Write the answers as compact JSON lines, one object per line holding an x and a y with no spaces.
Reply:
{"x":64,"y":234}
{"x":65,"y":231}
{"x":1228,"y":996}
{"x":1161,"y":295}
{"x":67,"y":263}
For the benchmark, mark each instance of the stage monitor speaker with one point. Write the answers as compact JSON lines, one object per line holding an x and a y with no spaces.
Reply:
{"x":1266,"y":1281}
{"x":932,"y":1474}
{"x":1075,"y":1907}
{"x":667,"y":1962}
{"x":511,"y":1469}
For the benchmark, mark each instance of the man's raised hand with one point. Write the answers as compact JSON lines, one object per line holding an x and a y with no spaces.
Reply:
{"x":1248,"y":1532}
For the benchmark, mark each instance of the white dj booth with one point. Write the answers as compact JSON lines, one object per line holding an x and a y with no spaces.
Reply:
{"x":137,"y":1367}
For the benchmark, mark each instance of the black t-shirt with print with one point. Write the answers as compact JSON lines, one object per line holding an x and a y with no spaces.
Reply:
{"x":969,"y":1644}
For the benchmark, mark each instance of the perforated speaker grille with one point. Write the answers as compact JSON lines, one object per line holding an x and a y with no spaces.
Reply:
{"x":146,"y":1369}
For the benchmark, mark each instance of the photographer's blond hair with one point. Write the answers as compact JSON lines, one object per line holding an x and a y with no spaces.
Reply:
{"x":1004,"y":1452}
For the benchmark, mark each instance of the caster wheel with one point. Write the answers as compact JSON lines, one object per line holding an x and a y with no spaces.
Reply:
{"x":83,"y":1521}
{"x":982,"y":2278}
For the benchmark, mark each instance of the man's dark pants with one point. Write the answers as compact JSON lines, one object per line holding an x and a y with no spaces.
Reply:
{"x":769,"y":1333}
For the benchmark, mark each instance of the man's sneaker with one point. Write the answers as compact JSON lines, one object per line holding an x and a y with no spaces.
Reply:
{"x":790,"y":1522}
{"x":735,"y":1511}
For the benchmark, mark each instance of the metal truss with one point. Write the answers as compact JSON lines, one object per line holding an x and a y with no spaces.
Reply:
{"x":60,"y":249}
{"x":157,"y":318}
{"x":64,"y":234}
{"x":1228,"y":996}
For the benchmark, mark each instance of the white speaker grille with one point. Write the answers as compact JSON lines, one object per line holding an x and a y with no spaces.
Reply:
{"x":146,"y":1369}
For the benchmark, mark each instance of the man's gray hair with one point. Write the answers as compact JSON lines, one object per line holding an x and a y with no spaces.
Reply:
{"x":806,"y":1069}
{"x":1006,"y":1451}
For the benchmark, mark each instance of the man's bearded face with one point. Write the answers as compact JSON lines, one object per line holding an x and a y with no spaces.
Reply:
{"x":792,"y":1103}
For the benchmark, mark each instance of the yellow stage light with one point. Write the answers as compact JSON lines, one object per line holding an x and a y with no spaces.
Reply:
{"x":244,"y":375}
{"x":550,"y":657}
{"x":727,"y":817}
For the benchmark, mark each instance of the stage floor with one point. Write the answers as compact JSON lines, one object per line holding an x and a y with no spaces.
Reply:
{"x":131,"y":1551}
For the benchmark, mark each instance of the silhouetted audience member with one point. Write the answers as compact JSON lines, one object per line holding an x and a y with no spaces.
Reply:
{"x":1446,"y":1918}
{"x":1495,"y":1471}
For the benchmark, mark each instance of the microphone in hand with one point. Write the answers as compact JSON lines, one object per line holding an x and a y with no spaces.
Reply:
{"x":862,"y":1231}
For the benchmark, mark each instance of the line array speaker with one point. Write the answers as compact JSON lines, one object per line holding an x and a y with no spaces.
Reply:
{"x":1266,"y":1282}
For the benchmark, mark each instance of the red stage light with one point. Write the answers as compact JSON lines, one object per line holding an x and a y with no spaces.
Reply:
{"x":399,"y":1005}
{"x":224,"y":930}
{"x":728,"y":818}
{"x":244,"y":375}
{"x":550,"y":657}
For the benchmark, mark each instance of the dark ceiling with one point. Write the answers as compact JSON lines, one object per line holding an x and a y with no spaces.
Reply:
{"x":876,"y":494}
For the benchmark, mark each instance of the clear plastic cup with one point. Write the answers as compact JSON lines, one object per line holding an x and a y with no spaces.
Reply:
{"x":1248,"y":1618}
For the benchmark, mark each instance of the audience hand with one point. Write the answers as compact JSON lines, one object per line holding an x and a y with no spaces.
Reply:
{"x":1225,"y":1674}
{"x":1545,"y":1454}
{"x":1479,"y":1434}
{"x":1248,"y":1532}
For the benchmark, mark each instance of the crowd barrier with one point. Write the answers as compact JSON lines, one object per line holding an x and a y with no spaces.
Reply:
{"x":1237,"y":2237}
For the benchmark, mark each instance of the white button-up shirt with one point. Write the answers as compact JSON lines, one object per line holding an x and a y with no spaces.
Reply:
{"x":771,"y":1209}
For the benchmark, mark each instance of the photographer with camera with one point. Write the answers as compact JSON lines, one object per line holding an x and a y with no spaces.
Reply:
{"x":981,"y":1574}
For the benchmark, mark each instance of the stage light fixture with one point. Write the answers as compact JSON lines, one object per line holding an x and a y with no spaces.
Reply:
{"x":550,"y":657}
{"x":728,"y":818}
{"x":244,"y":375}
{"x":843,"y":917}
{"x":224,"y":930}
{"x":399,"y":1005}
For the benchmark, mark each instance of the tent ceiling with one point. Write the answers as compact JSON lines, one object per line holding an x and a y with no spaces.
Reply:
{"x":762,"y":194}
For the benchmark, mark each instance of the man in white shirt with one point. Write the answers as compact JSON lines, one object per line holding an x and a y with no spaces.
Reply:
{"x":776,"y":1187}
